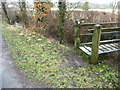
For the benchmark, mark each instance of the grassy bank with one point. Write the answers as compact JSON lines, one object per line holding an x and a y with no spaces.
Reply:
{"x":44,"y":60}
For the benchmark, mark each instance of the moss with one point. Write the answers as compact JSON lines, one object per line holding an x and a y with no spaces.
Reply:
{"x":84,"y":55}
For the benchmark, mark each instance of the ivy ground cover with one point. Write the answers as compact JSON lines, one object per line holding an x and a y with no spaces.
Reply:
{"x":43,"y":60}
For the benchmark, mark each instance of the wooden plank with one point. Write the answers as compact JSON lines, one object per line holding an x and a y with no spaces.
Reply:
{"x":102,"y":23}
{"x":113,"y":32}
{"x":114,"y":45}
{"x":110,"y":41}
{"x":85,"y":50}
{"x":88,"y":34}
{"x":88,"y":48}
{"x":104,"y":42}
{"x":110,"y":51}
{"x":108,"y":45}
{"x":107,"y":29}
{"x":102,"y":48}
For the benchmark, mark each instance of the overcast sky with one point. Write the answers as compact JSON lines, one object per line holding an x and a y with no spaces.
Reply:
{"x":91,"y":1}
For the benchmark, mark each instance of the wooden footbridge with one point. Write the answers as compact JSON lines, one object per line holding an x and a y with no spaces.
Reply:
{"x":97,"y":46}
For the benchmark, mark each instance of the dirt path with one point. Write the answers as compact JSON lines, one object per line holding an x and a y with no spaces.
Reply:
{"x":11,"y":76}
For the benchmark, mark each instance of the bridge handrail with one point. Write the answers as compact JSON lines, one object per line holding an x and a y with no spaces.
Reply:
{"x":101,"y":23}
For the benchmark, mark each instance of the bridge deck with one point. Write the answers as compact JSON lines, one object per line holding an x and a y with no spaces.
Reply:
{"x":106,"y":48}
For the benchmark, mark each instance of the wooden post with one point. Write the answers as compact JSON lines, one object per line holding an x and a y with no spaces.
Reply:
{"x":118,"y":4}
{"x":95,"y":43}
{"x":77,"y":33}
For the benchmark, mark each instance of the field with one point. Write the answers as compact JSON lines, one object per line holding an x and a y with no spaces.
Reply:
{"x":101,"y":10}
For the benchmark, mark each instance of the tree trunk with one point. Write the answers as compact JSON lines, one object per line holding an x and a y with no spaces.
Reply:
{"x":118,"y":13}
{"x":22,"y":5}
{"x":62,"y":20}
{"x":5,"y":11}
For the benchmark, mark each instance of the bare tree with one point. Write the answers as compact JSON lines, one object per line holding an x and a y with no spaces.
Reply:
{"x":62,"y":20}
{"x":119,"y":12}
{"x":114,"y":5}
{"x":4,"y":9}
{"x":21,"y":4}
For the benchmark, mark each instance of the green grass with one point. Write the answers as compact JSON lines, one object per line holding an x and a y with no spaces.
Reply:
{"x":44,"y":61}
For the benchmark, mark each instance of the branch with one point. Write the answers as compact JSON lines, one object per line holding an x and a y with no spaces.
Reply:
{"x":72,"y":10}
{"x":16,"y":4}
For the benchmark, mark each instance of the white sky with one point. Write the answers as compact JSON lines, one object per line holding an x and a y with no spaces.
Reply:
{"x":91,"y":1}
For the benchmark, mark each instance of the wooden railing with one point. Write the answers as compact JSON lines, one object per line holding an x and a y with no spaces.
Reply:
{"x":96,"y":35}
{"x":102,"y":23}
